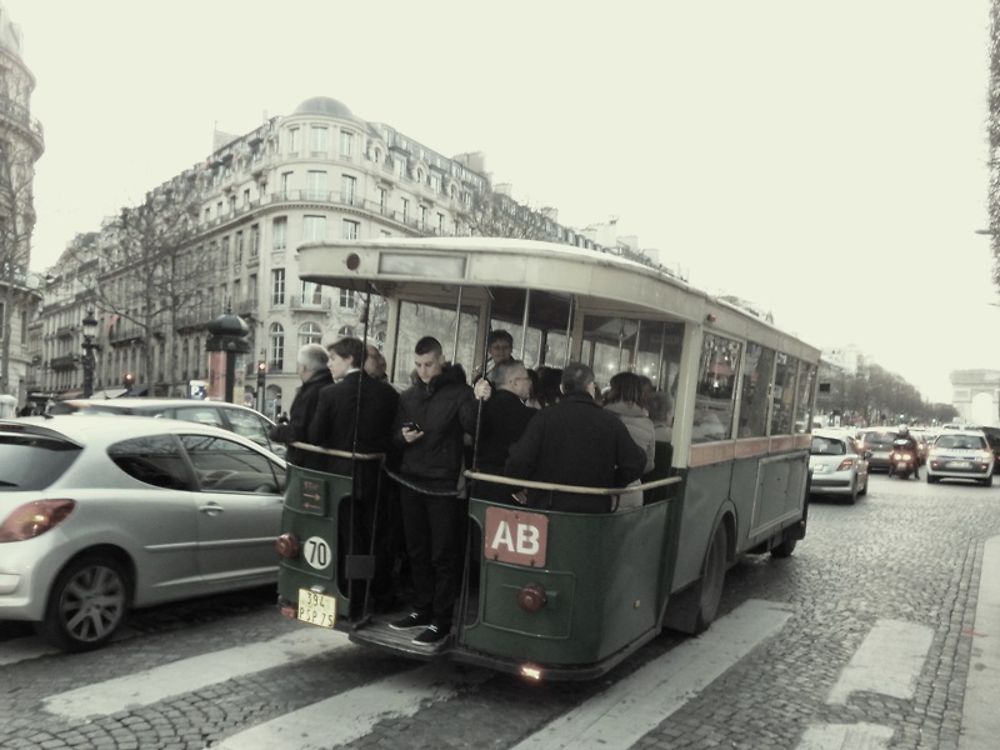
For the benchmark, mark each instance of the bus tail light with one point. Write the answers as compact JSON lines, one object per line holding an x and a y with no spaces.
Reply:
{"x":531,"y":672}
{"x":287,"y":546}
{"x":532,"y":597}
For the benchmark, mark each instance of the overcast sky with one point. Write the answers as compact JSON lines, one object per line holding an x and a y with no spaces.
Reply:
{"x":825,"y":160}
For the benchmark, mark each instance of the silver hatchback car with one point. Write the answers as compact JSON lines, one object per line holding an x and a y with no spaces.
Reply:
{"x":98,"y":515}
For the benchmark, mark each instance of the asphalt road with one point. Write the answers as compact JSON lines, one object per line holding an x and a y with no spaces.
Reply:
{"x":864,"y":638}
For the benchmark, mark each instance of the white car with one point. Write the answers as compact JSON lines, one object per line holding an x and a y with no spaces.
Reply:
{"x":960,"y":454}
{"x":838,"y":464}
{"x":98,"y":515}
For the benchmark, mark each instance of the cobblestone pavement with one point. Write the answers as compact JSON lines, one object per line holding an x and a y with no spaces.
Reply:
{"x":908,"y":553}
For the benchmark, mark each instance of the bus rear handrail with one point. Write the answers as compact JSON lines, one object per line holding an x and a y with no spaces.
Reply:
{"x":574,"y":489}
{"x":338,"y":454}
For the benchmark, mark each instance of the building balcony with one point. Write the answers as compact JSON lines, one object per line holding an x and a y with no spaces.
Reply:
{"x":310,"y":304}
{"x":20,"y":116}
{"x":65,"y":332}
{"x":65,"y":362}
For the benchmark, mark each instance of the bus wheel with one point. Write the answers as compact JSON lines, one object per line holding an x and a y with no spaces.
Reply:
{"x":712,"y":580}
{"x":785,"y":549}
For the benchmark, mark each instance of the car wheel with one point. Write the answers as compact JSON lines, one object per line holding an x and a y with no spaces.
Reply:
{"x":853,"y":497}
{"x":864,"y":488}
{"x":931,"y":480}
{"x":988,"y":482}
{"x":86,"y":604}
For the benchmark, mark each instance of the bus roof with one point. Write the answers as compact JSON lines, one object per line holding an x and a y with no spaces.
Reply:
{"x":401,"y":265}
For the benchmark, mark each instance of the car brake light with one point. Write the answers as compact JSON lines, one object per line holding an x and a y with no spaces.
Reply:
{"x":32,"y":519}
{"x":846,"y":464}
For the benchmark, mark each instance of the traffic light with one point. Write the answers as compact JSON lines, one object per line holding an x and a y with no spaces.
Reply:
{"x":128,"y":380}
{"x":261,"y":373}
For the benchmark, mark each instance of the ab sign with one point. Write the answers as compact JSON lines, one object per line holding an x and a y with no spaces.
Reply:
{"x":515,"y":536}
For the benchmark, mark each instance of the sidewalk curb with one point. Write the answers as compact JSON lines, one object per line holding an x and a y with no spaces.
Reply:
{"x":980,"y":714}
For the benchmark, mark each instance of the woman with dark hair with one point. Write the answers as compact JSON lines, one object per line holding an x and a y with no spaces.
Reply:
{"x":626,"y":399}
{"x":547,"y":392}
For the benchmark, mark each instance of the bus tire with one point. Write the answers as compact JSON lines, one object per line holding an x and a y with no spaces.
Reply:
{"x":785,"y":549}
{"x":713,"y":579}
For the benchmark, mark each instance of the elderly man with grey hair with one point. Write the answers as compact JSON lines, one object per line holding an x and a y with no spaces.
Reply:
{"x":315,"y":374}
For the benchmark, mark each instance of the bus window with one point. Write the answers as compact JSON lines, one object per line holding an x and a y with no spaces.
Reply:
{"x":419,"y":320}
{"x":713,"y":414}
{"x":754,"y":391}
{"x":783,"y":394}
{"x":804,"y":402}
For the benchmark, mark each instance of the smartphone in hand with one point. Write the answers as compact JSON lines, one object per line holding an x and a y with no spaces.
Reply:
{"x":411,"y":426}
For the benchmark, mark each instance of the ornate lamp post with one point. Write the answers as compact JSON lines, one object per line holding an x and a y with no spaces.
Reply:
{"x":89,"y":334}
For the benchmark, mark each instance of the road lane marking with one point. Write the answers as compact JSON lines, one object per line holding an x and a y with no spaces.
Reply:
{"x":621,"y":715}
{"x":354,"y":713}
{"x":888,"y":661}
{"x":188,"y":675}
{"x":846,"y":737}
{"x":980,"y":718}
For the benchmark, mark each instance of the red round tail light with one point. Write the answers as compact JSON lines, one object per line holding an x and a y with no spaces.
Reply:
{"x":287,"y":546}
{"x":532,"y":597}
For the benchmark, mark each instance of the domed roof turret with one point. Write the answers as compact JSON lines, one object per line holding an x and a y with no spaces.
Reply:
{"x":324,"y":105}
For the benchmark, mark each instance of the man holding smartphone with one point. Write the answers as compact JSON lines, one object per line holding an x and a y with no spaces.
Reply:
{"x":434,"y":414}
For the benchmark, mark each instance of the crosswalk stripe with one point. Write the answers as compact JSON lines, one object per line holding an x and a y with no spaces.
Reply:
{"x":843,"y":736}
{"x":621,"y":715}
{"x":888,"y":661}
{"x":187,"y":675}
{"x":352,"y":714}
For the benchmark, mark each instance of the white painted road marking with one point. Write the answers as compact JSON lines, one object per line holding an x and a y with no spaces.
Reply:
{"x":186,"y":675}
{"x":980,"y":717}
{"x":621,"y":715}
{"x":353,"y":713}
{"x":846,"y":737}
{"x":888,"y":661}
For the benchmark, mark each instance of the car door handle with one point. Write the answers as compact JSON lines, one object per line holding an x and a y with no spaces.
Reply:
{"x":211,"y":509}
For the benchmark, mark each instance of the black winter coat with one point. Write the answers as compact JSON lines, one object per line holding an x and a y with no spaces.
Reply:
{"x":445,"y":409}
{"x":575,"y":442}
{"x":300,"y":417}
{"x":333,"y":425}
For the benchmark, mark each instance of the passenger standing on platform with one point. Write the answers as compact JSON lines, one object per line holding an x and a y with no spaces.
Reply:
{"x":575,"y":442}
{"x":434,"y":415}
{"x":375,"y":363}
{"x":334,"y":427}
{"x":505,"y":416}
{"x":314,"y":373}
{"x":626,"y":399}
{"x":501,"y":348}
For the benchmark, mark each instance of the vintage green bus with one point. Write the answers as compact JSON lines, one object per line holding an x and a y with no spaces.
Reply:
{"x":557,"y":595}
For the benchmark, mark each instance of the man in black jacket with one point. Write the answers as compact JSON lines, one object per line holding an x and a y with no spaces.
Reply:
{"x":575,"y":442}
{"x":333,"y":427}
{"x":315,"y":374}
{"x":504,"y":419}
{"x":434,"y":414}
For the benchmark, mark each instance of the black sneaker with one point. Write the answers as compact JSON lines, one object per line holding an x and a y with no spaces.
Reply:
{"x":432,"y":636}
{"x":413,"y":620}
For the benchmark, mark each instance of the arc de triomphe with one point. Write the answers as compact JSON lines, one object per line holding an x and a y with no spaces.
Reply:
{"x":976,"y":396}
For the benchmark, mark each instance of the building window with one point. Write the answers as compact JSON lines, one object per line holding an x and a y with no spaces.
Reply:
{"x":319,"y":141}
{"x":316,"y":187}
{"x":254,"y":240}
{"x":346,"y":144}
{"x":238,"y":254}
{"x":293,"y":140}
{"x":279,"y":233}
{"x":232,"y":204}
{"x":423,"y":216}
{"x":382,"y":197}
{"x":346,"y":332}
{"x":440,"y":223}
{"x":246,"y":197}
{"x":314,"y":228}
{"x":225,"y":251}
{"x":435,"y":183}
{"x":454,"y":227}
{"x":277,"y":358}
{"x":286,"y":183}
{"x":399,"y":166}
{"x":406,"y":209}
{"x":278,"y":286}
{"x":348,"y":189}
{"x":208,"y":213}
{"x":351,"y":229}
{"x":348,"y":299}
{"x":312,"y":293}
{"x":309,"y":333}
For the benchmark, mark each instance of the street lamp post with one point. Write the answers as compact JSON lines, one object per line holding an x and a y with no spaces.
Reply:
{"x":89,"y":334}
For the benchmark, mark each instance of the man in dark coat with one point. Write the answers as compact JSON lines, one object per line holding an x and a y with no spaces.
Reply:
{"x":315,"y":374}
{"x":333,"y":427}
{"x":575,"y":442}
{"x":504,"y":419}
{"x":434,"y":415}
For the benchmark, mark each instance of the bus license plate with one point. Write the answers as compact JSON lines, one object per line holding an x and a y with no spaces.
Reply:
{"x":317,"y":609}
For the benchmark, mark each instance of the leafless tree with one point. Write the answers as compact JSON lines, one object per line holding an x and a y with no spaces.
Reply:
{"x":149,"y":270}
{"x":17,"y":220}
{"x":493,"y":214}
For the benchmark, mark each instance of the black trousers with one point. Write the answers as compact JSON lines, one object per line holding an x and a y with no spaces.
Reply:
{"x":434,"y":531}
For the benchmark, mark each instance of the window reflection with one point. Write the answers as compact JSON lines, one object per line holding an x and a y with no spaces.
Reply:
{"x":783,"y":394}
{"x":754,"y":391}
{"x":714,"y":405}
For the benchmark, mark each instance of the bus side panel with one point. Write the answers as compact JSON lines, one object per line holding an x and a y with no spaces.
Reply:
{"x":779,"y":493}
{"x":602,"y":578}
{"x":743,"y":490}
{"x":312,"y":499}
{"x":706,"y":488}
